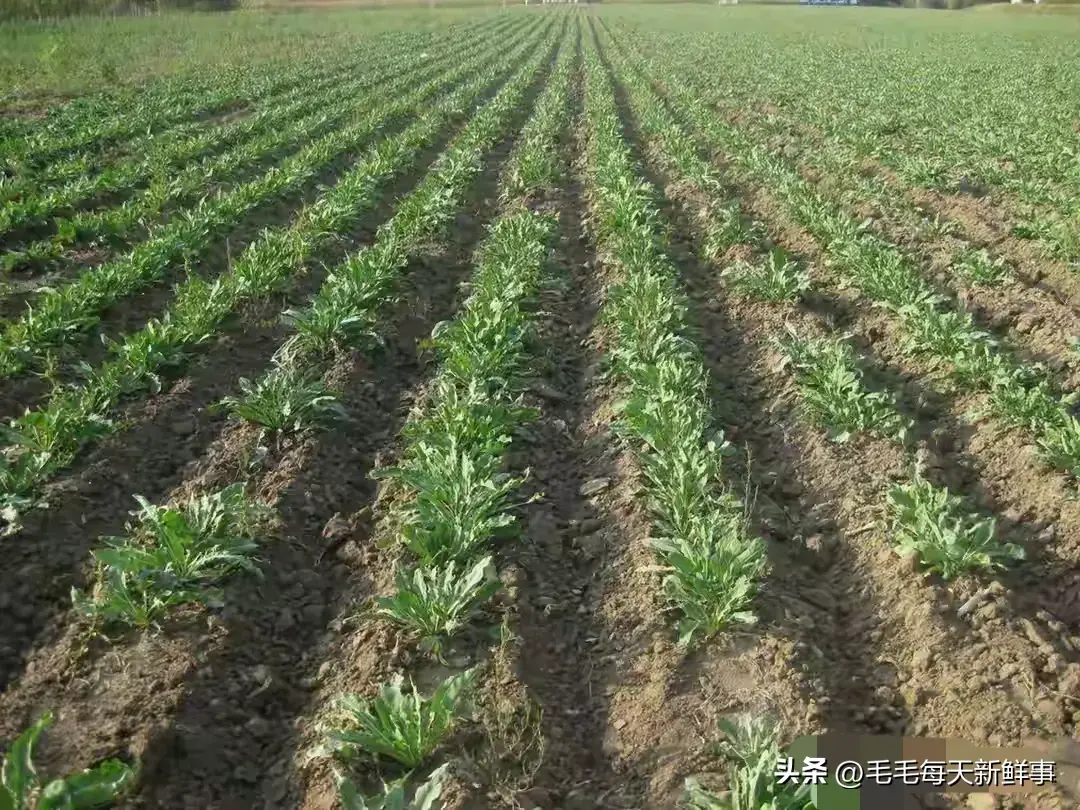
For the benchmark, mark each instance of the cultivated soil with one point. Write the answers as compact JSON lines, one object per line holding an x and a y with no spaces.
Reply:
{"x":585,"y":699}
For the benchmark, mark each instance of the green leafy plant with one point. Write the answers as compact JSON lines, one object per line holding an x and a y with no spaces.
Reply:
{"x":398,"y":725}
{"x":950,"y":337}
{"x":436,"y":602}
{"x":753,"y":751}
{"x":724,"y":229}
{"x":936,"y":227}
{"x":1059,"y":442}
{"x":200,"y":307}
{"x":978,"y":267}
{"x":172,"y":556}
{"x":777,"y":278}
{"x":833,"y":390}
{"x":713,"y":585}
{"x":95,"y":787}
{"x":1024,"y":397}
{"x":394,"y":795}
{"x":711,"y":563}
{"x":927,"y":520}
{"x":284,"y":400}
{"x":453,"y":465}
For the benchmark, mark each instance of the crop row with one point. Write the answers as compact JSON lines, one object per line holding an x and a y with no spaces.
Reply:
{"x":457,"y":498}
{"x":712,"y":561}
{"x":320,"y":97}
{"x":149,"y":112}
{"x":826,"y":369}
{"x":1049,"y":217}
{"x":177,"y":555}
{"x":317,"y":113}
{"x":1022,"y":396}
{"x":840,"y":151}
{"x":58,"y":315}
{"x":45,"y":440}
{"x":944,"y":136}
{"x":355,"y":292}
{"x":933,"y":137}
{"x":142,"y":576}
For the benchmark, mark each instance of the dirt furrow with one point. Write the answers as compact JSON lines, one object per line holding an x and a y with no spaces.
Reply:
{"x":877,"y":650}
{"x":656,"y":704}
{"x":556,"y":570}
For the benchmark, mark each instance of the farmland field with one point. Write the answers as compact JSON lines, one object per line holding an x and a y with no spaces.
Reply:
{"x":507,"y":400}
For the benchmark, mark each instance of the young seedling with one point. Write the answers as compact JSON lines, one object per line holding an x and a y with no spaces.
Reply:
{"x":21,"y":789}
{"x":394,"y":796}
{"x":405,"y":727}
{"x":454,"y":466}
{"x":712,"y":586}
{"x":950,"y":338}
{"x":928,"y":521}
{"x":437,"y":602}
{"x":833,"y":390}
{"x":980,"y":269}
{"x":753,"y":751}
{"x":937,"y":228}
{"x":172,"y":556}
{"x":1060,"y":444}
{"x":724,"y":229}
{"x":778,"y":278}
{"x":1023,"y":397}
{"x":285,"y":400}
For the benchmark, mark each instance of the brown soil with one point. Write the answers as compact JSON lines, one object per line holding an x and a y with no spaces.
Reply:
{"x":133,"y":312}
{"x":879,"y":649}
{"x":585,"y":700}
{"x":1035,"y":314}
{"x":213,"y":706}
{"x":166,"y":433}
{"x":1038,"y":312}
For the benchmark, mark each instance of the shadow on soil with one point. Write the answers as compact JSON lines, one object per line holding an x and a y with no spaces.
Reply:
{"x":168,"y":434}
{"x":282,"y":624}
{"x":839,"y":658}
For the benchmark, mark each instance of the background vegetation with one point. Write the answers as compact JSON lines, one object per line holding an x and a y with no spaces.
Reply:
{"x":71,"y":56}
